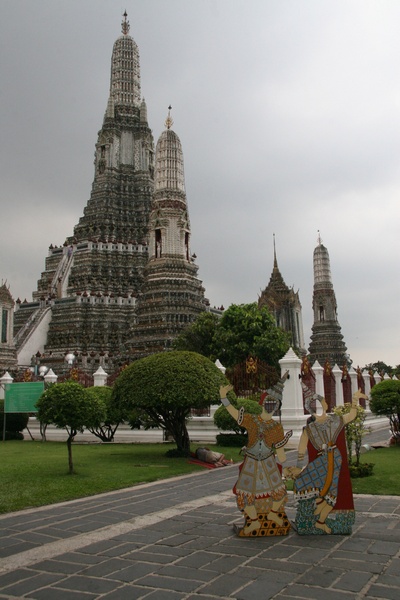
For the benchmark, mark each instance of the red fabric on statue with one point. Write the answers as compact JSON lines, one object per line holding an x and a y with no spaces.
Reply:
{"x":345,"y":491}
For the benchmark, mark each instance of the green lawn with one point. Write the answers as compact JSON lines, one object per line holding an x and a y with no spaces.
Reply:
{"x":385,"y":479}
{"x":36,"y":473}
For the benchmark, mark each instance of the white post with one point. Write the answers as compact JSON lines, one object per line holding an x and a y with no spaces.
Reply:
{"x":100,"y":377}
{"x":50,"y":377}
{"x":319,"y":378}
{"x":292,"y":411}
{"x":377,"y":378}
{"x":354,"y":380}
{"x":367,"y":382}
{"x":3,"y":381}
{"x":337,"y":373}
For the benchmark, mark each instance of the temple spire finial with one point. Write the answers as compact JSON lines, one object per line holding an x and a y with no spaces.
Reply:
{"x":169,"y":120}
{"x":275,"y":261}
{"x":319,"y":239}
{"x":125,"y":24}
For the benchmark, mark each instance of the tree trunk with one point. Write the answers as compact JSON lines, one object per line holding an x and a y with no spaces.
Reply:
{"x":69,"y":446}
{"x":181,"y":437}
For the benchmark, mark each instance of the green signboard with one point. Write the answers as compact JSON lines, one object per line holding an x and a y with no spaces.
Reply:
{"x":22,"y":397}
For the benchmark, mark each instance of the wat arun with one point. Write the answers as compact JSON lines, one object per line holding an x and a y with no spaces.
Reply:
{"x":113,"y":290}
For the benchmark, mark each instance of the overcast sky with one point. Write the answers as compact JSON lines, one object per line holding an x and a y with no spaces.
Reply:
{"x":289,"y":116}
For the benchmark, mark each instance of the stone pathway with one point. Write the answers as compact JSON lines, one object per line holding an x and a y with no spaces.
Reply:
{"x":174,"y":540}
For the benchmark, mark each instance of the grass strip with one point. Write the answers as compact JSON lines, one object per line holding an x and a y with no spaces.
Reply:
{"x":35,"y":473}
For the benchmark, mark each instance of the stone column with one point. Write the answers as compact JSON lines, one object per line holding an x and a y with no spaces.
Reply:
{"x":367,"y":382}
{"x":354,"y":380}
{"x":292,"y":411}
{"x":319,"y":378}
{"x":100,"y":377}
{"x":3,"y":381}
{"x":337,"y":373}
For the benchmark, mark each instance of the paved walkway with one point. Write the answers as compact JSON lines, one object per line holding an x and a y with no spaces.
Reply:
{"x":174,"y":540}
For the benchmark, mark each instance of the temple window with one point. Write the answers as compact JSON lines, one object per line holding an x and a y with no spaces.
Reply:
{"x":4,"y":325}
{"x":158,"y":248}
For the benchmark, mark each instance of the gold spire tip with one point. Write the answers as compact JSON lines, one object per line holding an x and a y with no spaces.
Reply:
{"x":169,"y":120}
{"x":125,"y":24}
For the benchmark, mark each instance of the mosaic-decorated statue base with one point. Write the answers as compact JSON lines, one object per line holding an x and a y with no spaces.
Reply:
{"x":268,"y":528}
{"x":339,"y":522}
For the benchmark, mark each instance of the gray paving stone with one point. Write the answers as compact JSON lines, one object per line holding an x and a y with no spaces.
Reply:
{"x":394,"y":567}
{"x":105,"y":567}
{"x":225,"y":564}
{"x":150,"y":557}
{"x":135,"y":571}
{"x":17,"y":548}
{"x":98,"y":547}
{"x":205,"y":597}
{"x":355,"y":544}
{"x":371,"y":567}
{"x":315,"y":593}
{"x":94,"y":585}
{"x":128,"y":592}
{"x":52,"y":593}
{"x":166,"y":595}
{"x":279,"y":551}
{"x":322,"y":576}
{"x":121,"y":549}
{"x":14,"y":577}
{"x":177,"y":540}
{"x":31,"y":584}
{"x":381,"y":591}
{"x":379,"y":559}
{"x":198,"y":559}
{"x":57,"y":566}
{"x":264,"y":587}
{"x":388,"y":579}
{"x":353,"y":581}
{"x":224,"y":586}
{"x":81,"y":559}
{"x":159,"y":548}
{"x":309,"y":556}
{"x":386,"y":548}
{"x":277,"y":565}
{"x":187,"y":573}
{"x":168,"y":583}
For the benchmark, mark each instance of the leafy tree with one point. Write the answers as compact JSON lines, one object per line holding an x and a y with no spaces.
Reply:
{"x":246,"y":330}
{"x":69,"y":406}
{"x":354,"y":431}
{"x":379,"y":367}
{"x":385,"y":400}
{"x":199,"y":337}
{"x":166,"y":386}
{"x":224,"y":421}
{"x":105,"y":428}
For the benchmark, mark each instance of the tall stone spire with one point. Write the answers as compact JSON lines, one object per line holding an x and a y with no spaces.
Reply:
{"x":91,"y":282}
{"x":125,"y":70}
{"x":326,"y":340}
{"x":284,"y":304}
{"x":172,"y":296}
